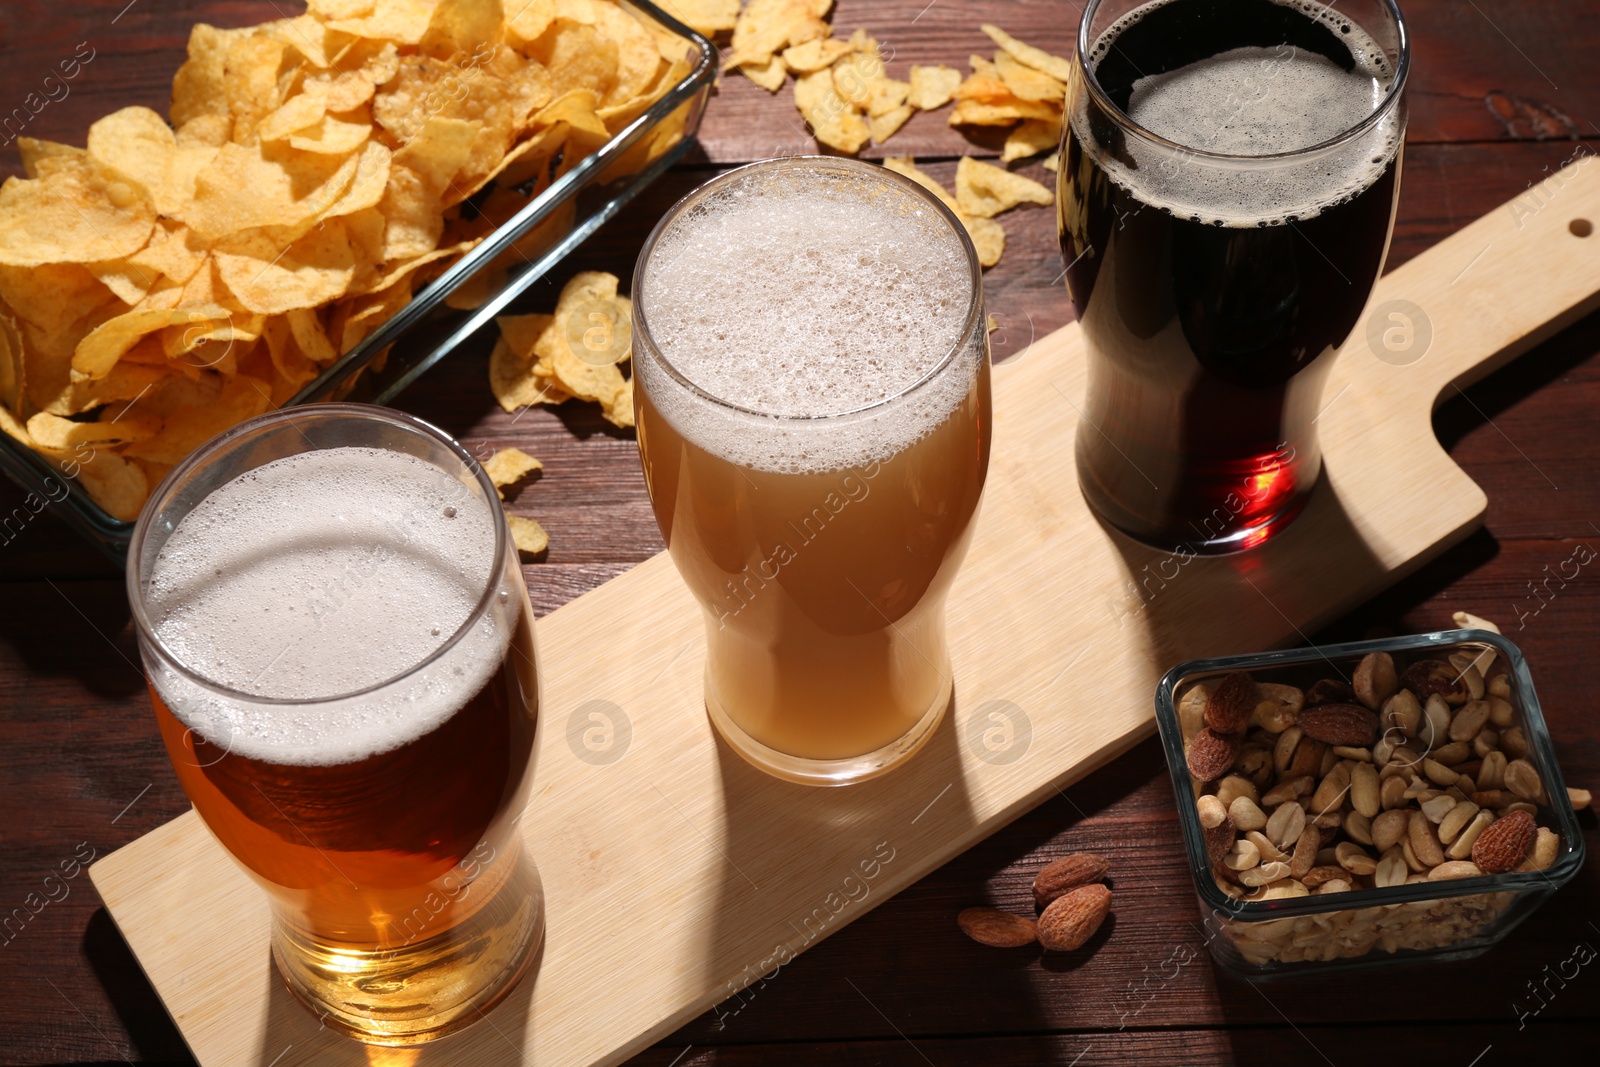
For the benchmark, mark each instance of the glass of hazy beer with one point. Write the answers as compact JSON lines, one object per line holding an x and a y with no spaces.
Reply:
{"x":340,"y":651}
{"x":812,"y":394}
{"x":1228,"y":180}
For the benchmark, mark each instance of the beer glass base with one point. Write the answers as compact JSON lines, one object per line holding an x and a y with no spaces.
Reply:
{"x":833,"y":772}
{"x":420,"y":992}
{"x":1173,"y":539}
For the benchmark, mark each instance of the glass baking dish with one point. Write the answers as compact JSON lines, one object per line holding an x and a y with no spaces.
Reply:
{"x":1312,"y":932}
{"x":374,"y":372}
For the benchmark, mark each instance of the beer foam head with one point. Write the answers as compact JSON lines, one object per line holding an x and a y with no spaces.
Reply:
{"x":318,"y":575}
{"x":1255,"y":102}
{"x":804,"y":291}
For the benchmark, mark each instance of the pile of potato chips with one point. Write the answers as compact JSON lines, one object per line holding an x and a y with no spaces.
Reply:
{"x":166,"y":282}
{"x":576,"y":352}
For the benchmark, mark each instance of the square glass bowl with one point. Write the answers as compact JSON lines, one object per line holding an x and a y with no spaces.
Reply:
{"x":1276,"y":933}
{"x":575,"y":205}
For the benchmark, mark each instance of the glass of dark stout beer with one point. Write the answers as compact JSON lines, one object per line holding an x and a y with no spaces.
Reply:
{"x":340,"y":652}
{"x":1228,"y":178}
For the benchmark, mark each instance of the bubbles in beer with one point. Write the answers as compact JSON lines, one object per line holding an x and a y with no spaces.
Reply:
{"x":318,"y":575}
{"x":803,"y":295}
{"x":1253,"y":101}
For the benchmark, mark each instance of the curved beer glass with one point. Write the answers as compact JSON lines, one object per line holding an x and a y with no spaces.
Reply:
{"x":1228,"y":180}
{"x":379,"y":815}
{"x":820,"y":538}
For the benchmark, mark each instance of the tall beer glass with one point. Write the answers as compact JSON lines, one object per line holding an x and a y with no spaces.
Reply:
{"x":340,"y":651}
{"x":1228,"y":181}
{"x":812,"y":394}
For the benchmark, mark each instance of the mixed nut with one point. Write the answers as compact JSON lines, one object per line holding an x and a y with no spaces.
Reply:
{"x":1405,"y":773}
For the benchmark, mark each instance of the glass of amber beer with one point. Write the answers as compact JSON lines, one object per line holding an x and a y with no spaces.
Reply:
{"x":340,"y":651}
{"x":812,"y":394}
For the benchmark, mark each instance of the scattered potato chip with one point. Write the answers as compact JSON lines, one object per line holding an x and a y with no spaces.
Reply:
{"x":932,"y":87}
{"x":527,"y":535}
{"x":1053,"y":163}
{"x":509,"y":466}
{"x":1031,"y":138}
{"x":884,"y":126}
{"x":769,"y":75}
{"x":1037,"y":58}
{"x":815,"y":55}
{"x":834,"y":122}
{"x":168,"y":281}
{"x":1027,"y":83}
{"x":988,"y":237}
{"x":984,"y":190}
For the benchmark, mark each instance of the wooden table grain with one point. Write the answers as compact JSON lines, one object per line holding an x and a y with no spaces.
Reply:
{"x":1503,"y":91}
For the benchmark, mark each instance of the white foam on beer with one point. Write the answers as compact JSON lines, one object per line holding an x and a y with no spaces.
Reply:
{"x":1256,"y":101}
{"x":808,"y":294}
{"x":318,"y":575}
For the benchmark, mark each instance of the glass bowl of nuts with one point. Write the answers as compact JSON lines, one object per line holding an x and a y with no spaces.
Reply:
{"x":1356,"y":804}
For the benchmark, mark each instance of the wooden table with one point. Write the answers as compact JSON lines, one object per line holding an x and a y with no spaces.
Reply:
{"x":1503,"y":90}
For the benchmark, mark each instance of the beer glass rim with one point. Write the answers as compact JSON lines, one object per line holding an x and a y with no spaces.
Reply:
{"x":1126,"y":122}
{"x":641,"y":324}
{"x":163,"y":491}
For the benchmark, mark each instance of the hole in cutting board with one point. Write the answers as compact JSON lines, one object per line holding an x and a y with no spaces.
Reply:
{"x":1580,"y":227}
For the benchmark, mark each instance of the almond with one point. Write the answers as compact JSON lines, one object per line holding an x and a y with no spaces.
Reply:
{"x":996,"y":928}
{"x":1211,"y":754}
{"x":1231,"y":703}
{"x":1375,"y":680}
{"x":1068,"y":872}
{"x":1505,"y":843}
{"x":1340,"y":724}
{"x":1072,"y":919}
{"x":1329,"y":691}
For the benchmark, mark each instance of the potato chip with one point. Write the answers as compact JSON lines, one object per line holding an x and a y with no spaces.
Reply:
{"x":884,"y":126}
{"x":522,"y":332}
{"x":973,"y":113}
{"x":269,"y":277}
{"x":834,"y":122}
{"x":298,"y":112}
{"x":637,"y":58}
{"x":187,"y":428}
{"x":250,"y":80}
{"x":907,"y":166}
{"x":984,"y":190}
{"x":331,"y":136}
{"x":1053,"y":163}
{"x":710,"y":17}
{"x":249,"y":188}
{"x":55,"y":297}
{"x":75,"y":215}
{"x":111,"y":481}
{"x":620,"y":411}
{"x":509,"y":466}
{"x":514,"y":383}
{"x":135,"y":145}
{"x":100,"y":349}
{"x":199,"y":89}
{"x":11,"y":366}
{"x":1027,"y":83}
{"x":766,"y":27}
{"x":814,"y":55}
{"x":1031,"y":138}
{"x":988,"y":238}
{"x":769,"y":75}
{"x":399,"y":21}
{"x":932,"y":87}
{"x":129,"y":282}
{"x":462,"y":26}
{"x":527,"y":535}
{"x":1037,"y":58}
{"x":56,"y":434}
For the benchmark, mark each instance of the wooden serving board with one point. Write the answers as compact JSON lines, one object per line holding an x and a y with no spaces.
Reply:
{"x":676,"y":875}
